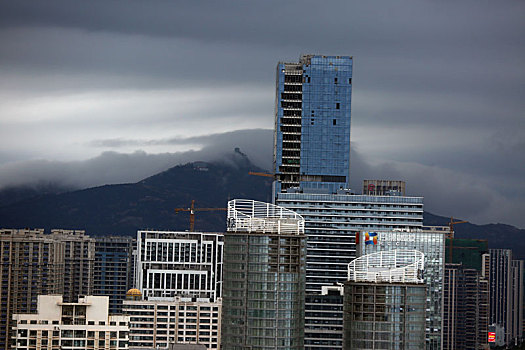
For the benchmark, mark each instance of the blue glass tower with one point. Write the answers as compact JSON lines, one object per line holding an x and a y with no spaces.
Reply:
{"x":312,"y":123}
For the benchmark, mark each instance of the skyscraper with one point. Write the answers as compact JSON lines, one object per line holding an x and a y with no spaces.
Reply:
{"x":312,"y":167}
{"x":264,"y":271}
{"x":506,"y":293}
{"x":312,"y":122}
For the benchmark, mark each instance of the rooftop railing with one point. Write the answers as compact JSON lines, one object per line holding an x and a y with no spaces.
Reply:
{"x":392,"y":266}
{"x":246,"y":215}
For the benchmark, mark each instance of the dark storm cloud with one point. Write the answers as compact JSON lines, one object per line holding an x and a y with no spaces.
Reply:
{"x":438,"y":93}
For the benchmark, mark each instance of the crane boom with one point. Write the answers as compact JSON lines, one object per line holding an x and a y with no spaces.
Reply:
{"x":192,"y":210}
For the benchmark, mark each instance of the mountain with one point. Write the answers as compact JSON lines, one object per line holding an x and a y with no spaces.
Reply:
{"x":499,"y":236}
{"x":123,"y":209}
{"x":16,"y":194}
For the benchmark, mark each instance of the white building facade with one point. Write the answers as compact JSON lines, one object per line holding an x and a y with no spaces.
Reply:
{"x":85,"y":324}
{"x":186,"y":264}
{"x":162,"y":322}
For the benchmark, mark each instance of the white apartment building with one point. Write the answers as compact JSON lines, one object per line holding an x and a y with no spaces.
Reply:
{"x":163,"y":322}
{"x":187,"y":264}
{"x":85,"y":324}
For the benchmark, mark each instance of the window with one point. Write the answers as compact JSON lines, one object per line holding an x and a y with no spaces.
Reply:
{"x":337,"y":105}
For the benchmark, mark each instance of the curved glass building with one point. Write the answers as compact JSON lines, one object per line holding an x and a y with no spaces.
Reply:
{"x":264,"y":277}
{"x":384,"y":301}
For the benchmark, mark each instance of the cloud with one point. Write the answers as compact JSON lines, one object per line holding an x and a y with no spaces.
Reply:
{"x":112,"y":167}
{"x":437,"y":90}
{"x":475,"y":197}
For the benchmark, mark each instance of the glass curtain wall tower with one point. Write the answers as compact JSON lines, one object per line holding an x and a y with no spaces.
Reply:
{"x":264,"y":276}
{"x":312,"y":123}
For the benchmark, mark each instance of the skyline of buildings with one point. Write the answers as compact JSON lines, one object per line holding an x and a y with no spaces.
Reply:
{"x":274,"y":279}
{"x":312,"y":169}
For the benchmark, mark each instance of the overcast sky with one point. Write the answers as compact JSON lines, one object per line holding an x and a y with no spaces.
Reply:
{"x":95,"y":92}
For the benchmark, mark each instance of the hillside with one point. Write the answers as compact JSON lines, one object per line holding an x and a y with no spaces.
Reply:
{"x":125,"y":208}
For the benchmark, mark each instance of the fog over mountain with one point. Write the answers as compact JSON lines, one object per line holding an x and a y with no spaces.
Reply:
{"x":95,"y":92}
{"x":449,"y":192}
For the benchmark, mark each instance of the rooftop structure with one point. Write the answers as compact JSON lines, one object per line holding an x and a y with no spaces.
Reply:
{"x":246,"y":215}
{"x":430,"y":240}
{"x":391,"y":266}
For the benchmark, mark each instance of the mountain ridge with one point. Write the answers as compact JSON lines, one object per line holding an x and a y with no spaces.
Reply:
{"x":122,"y":209}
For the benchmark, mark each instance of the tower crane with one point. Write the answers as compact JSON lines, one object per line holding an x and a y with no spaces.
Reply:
{"x":451,"y":235}
{"x":192,"y":211}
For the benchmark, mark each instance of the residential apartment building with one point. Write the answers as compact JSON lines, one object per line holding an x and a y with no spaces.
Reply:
{"x":32,"y":263}
{"x":85,"y":324}
{"x":164,"y":322}
{"x":79,"y":261}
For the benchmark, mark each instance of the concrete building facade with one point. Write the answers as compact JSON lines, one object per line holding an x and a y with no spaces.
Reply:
{"x":79,"y":259}
{"x":85,"y":324}
{"x":163,"y":322}
{"x":32,"y":263}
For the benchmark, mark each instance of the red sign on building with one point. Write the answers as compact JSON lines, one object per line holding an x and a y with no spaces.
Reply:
{"x":492,"y":337}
